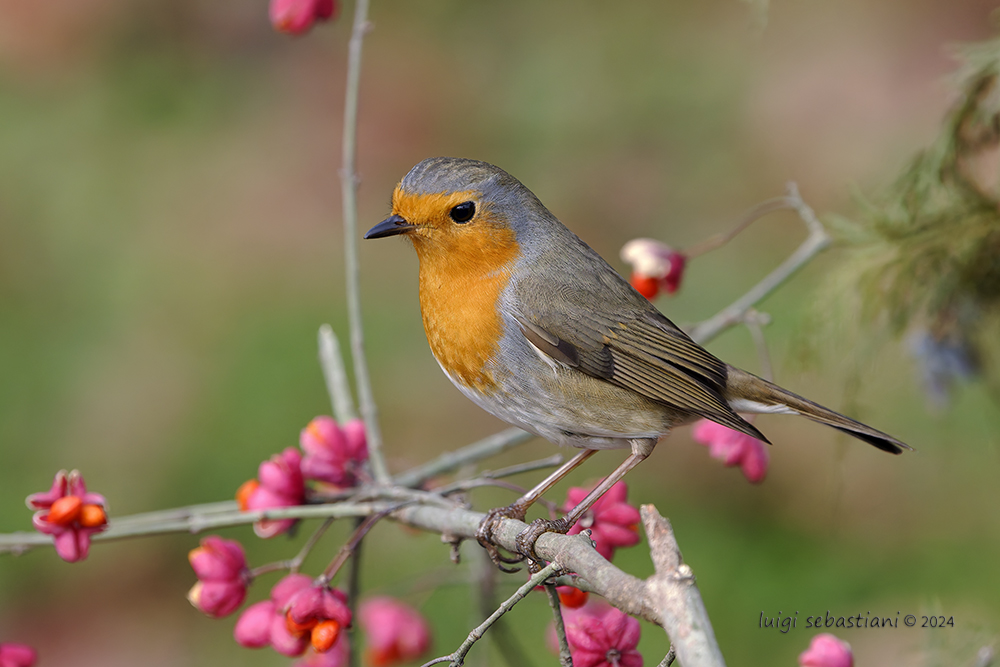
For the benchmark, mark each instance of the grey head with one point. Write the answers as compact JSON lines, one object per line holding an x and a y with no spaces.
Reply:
{"x":504,"y":193}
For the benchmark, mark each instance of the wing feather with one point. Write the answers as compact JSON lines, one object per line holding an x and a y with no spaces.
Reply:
{"x":647,"y":354}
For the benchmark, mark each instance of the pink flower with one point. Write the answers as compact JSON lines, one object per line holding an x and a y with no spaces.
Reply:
{"x":333,"y":454}
{"x":396,"y":632}
{"x":17,"y":655}
{"x":297,"y":16}
{"x":299,"y":614}
{"x":613,"y":522}
{"x":69,"y":514}
{"x":655,"y":266}
{"x":221,"y":568}
{"x":734,"y":448}
{"x":279,"y":483}
{"x":602,"y":638}
{"x":825,"y":650}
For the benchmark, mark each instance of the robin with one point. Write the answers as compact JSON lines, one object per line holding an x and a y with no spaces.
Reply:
{"x":536,"y":328}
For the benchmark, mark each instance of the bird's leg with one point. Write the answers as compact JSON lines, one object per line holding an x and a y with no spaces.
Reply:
{"x":519,"y":508}
{"x":526,"y":539}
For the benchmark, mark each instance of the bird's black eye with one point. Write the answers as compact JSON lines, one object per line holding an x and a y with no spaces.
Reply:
{"x":463,"y":212}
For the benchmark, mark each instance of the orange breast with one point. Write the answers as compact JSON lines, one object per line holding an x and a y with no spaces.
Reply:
{"x":462,"y":273}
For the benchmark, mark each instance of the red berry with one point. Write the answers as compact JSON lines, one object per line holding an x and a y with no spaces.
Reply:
{"x":646,"y":286}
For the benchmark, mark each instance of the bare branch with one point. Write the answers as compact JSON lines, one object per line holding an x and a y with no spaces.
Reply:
{"x":349,"y":187}
{"x":332,"y":363}
{"x":676,"y":598}
{"x":565,"y":657}
{"x":750,"y":217}
{"x":458,"y":657}
{"x":669,"y":658}
{"x":817,"y":241}
{"x":477,"y":451}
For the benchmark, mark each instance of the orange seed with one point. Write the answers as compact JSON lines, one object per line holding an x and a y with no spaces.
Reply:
{"x":65,"y":511}
{"x":92,"y":516}
{"x":324,"y":635}
{"x":299,"y":629}
{"x":244,"y":492}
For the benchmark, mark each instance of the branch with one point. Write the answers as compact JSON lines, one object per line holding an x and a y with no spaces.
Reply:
{"x":669,"y":598}
{"x":669,"y":658}
{"x":477,"y":451}
{"x":565,"y":656}
{"x":817,"y":241}
{"x":332,"y":363}
{"x":349,"y":187}
{"x":210,"y":516}
{"x":483,"y":575}
{"x":676,"y":598}
{"x":457,"y":658}
{"x":223,"y":515}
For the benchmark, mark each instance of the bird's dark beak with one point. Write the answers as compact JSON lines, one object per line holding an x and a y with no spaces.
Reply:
{"x":391,"y":226}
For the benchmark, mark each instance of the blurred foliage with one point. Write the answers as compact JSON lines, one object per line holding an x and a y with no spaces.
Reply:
{"x":926,"y":257}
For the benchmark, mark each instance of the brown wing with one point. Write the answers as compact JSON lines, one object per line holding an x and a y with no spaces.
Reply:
{"x":647,"y":354}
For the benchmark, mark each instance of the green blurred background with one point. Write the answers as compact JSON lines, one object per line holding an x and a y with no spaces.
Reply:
{"x":170,"y":242}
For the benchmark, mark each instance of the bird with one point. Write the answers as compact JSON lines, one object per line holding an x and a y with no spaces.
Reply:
{"x":535,"y":327}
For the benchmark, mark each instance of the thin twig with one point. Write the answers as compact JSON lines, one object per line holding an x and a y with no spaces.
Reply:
{"x":269,"y":567}
{"x":353,"y":594}
{"x":669,"y":658}
{"x":565,"y":657}
{"x":506,"y":641}
{"x":332,"y":362}
{"x":351,"y":546}
{"x":488,"y":477}
{"x":479,"y":482}
{"x":750,"y":217}
{"x":349,"y":187}
{"x":203,"y":509}
{"x":458,"y":657}
{"x":477,"y":451}
{"x":548,"y":462}
{"x":300,"y":557}
{"x":20,"y":542}
{"x":817,"y":241}
{"x":362,"y":503}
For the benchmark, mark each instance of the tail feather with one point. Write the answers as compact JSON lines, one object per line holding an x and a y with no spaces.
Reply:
{"x":749,"y":393}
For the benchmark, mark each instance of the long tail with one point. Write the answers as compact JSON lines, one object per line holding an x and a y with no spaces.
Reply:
{"x":746,"y":392}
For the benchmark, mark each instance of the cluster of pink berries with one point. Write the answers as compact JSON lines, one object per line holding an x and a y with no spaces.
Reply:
{"x":302,"y":616}
{"x":334,"y":458}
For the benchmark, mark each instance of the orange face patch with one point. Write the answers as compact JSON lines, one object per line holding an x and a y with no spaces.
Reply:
{"x":463,"y":269}
{"x":430,"y":210}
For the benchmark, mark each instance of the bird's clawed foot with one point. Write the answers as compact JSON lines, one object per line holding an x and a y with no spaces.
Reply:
{"x":524,"y":543}
{"x":484,"y":534}
{"x":525,"y":540}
